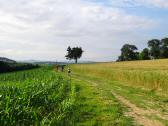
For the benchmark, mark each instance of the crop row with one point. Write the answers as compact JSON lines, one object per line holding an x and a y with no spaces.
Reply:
{"x":35,"y":97}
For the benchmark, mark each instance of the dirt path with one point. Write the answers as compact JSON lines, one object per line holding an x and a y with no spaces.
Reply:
{"x":139,"y":114}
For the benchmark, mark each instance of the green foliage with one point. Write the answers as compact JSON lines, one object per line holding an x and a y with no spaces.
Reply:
{"x":9,"y":67}
{"x":157,"y":49}
{"x":74,"y":53}
{"x":35,"y":97}
{"x":144,"y":55}
{"x":3,"y":66}
{"x":164,"y":48}
{"x":154,"y":46}
{"x":128,"y":52}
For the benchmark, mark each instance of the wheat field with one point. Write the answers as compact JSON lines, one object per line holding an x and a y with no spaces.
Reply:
{"x":151,"y":74}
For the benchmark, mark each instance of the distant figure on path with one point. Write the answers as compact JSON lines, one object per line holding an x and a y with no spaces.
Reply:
{"x":69,"y":71}
{"x":62,"y":68}
{"x":57,"y":68}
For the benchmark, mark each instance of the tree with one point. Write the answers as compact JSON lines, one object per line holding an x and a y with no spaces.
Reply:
{"x":164,"y":48}
{"x":74,"y":53}
{"x":128,"y":53}
{"x":144,"y":55}
{"x":154,"y":46}
{"x":4,"y":67}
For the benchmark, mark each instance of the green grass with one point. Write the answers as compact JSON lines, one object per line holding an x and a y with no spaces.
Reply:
{"x":99,"y":107}
{"x":138,"y":96}
{"x":123,"y":79}
{"x":43,"y":97}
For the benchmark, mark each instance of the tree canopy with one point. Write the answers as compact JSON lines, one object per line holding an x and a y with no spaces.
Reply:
{"x":157,"y":49}
{"x":128,"y":52}
{"x":74,"y":53}
{"x":164,"y":48}
{"x":144,"y":55}
{"x":154,"y":47}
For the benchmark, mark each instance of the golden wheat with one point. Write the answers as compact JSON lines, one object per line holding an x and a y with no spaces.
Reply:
{"x":151,"y":74}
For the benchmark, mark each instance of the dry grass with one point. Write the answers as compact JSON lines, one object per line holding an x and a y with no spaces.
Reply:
{"x":152,"y":74}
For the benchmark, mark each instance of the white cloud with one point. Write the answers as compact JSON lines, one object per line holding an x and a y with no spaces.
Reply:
{"x":42,"y":29}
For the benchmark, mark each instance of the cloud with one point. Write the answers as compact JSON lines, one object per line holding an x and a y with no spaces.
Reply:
{"x":139,"y":3}
{"x":158,"y":3}
{"x":42,"y":29}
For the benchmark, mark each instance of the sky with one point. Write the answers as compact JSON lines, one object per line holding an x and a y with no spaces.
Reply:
{"x":43,"y":29}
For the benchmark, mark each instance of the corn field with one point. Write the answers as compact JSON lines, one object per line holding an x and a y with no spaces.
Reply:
{"x":36,"y":97}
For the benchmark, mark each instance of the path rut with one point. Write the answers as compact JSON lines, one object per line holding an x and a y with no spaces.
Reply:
{"x":139,"y":114}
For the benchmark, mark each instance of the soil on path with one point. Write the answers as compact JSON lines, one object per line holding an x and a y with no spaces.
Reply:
{"x":139,"y":114}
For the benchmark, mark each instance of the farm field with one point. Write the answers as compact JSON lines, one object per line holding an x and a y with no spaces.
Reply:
{"x":44,"y":97}
{"x":36,"y":97}
{"x":100,"y":94}
{"x":140,"y":87}
{"x":83,"y":63}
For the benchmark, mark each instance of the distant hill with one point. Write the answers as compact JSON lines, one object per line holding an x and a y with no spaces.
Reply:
{"x":54,"y":62}
{"x":49,"y":62}
{"x":42,"y":62}
{"x":3,"y":59}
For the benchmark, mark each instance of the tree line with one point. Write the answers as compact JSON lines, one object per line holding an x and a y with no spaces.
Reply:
{"x":157,"y":49}
{"x":10,"y":67}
